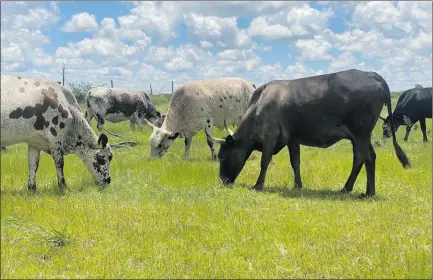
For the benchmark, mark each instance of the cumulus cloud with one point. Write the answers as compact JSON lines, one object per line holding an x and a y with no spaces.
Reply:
{"x":28,"y":15}
{"x":297,"y":22}
{"x":314,"y":49}
{"x":394,"y":20}
{"x":216,"y":29}
{"x":81,"y":22}
{"x":154,"y":17}
{"x":344,"y":61}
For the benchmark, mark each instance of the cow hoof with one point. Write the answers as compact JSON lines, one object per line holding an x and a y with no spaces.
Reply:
{"x":258,"y":187}
{"x":31,"y":188}
{"x":297,"y":187}
{"x":344,"y":190}
{"x":366,"y":195}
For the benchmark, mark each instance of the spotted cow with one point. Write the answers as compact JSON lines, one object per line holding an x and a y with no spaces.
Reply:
{"x":118,"y":104}
{"x":47,"y":117}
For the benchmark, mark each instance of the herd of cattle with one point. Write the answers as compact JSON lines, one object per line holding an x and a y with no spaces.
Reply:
{"x":313,"y":111}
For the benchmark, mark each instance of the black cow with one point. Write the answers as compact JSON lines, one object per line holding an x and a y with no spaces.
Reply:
{"x":412,"y":106}
{"x":314,"y":111}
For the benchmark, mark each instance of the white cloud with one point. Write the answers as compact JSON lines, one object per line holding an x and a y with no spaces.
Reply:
{"x":206,"y":44}
{"x":178,"y":63}
{"x":11,"y":53}
{"x":96,"y":46}
{"x":40,"y":58}
{"x":260,"y":27}
{"x":314,"y":49}
{"x":27,"y":15}
{"x":82,"y":22}
{"x":300,"y":70}
{"x":216,"y":29}
{"x":271,"y":68}
{"x":297,"y":22}
{"x":10,"y":67}
{"x":394,"y":20}
{"x":344,"y":61}
{"x":154,"y":17}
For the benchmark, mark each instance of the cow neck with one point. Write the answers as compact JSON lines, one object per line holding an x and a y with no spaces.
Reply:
{"x":81,"y":135}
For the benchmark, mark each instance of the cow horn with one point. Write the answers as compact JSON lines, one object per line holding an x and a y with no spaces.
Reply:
{"x":151,"y":124}
{"x":216,"y":140}
{"x":228,"y":129}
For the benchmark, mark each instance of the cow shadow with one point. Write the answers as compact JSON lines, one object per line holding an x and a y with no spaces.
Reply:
{"x":49,"y":191}
{"x":330,"y":193}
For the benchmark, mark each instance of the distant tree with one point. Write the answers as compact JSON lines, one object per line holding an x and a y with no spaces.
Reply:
{"x":79,"y":89}
{"x":418,"y":86}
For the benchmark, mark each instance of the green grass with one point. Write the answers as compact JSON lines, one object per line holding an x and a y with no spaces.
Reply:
{"x":171,"y":218}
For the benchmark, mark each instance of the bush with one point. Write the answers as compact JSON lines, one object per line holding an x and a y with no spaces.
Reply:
{"x":80,"y":89}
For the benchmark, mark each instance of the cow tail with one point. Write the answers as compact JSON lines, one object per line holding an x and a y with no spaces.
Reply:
{"x":402,"y":157}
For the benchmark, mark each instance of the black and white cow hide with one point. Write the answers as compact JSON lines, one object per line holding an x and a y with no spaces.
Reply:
{"x":47,"y":117}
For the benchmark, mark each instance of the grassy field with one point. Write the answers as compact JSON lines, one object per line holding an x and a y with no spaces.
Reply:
{"x":171,"y":218}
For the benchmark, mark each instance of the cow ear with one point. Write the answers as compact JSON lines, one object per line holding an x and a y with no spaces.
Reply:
{"x":103,"y":140}
{"x":173,"y":136}
{"x":229,"y":139}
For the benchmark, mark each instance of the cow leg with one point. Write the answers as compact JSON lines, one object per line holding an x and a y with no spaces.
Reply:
{"x":408,"y":128}
{"x":369,"y":157}
{"x":139,"y":124}
{"x":267,"y":153}
{"x":295,"y":161}
{"x":57,"y":155}
{"x":356,"y":168}
{"x":211,"y":145}
{"x":132,"y":125}
{"x":188,"y":141}
{"x":423,"y":129}
{"x":33,"y":161}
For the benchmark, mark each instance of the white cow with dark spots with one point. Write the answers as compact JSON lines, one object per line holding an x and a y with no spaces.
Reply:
{"x":197,"y":105}
{"x":47,"y":117}
{"x":118,"y":105}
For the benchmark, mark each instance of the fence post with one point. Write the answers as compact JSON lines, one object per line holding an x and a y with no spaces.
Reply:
{"x":151,"y":89}
{"x":111,"y":83}
{"x":172,"y":86}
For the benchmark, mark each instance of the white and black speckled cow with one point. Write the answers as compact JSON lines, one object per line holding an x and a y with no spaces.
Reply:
{"x":118,"y":104}
{"x":201,"y":104}
{"x":48,"y":118}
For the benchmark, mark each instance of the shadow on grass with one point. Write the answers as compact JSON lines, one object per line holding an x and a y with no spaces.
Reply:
{"x":307,"y":193}
{"x":50,"y":191}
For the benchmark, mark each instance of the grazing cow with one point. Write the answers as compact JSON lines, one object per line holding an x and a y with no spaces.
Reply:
{"x":314,"y":111}
{"x":117,"y":105}
{"x":412,"y":106}
{"x":47,"y":117}
{"x":197,"y":105}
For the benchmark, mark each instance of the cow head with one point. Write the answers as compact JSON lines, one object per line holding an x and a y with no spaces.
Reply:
{"x":232,"y":157}
{"x":97,"y":160}
{"x":160,"y":140}
{"x":386,"y":126}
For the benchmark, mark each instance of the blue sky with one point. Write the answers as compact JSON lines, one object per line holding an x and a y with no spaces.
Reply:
{"x":138,"y":43}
